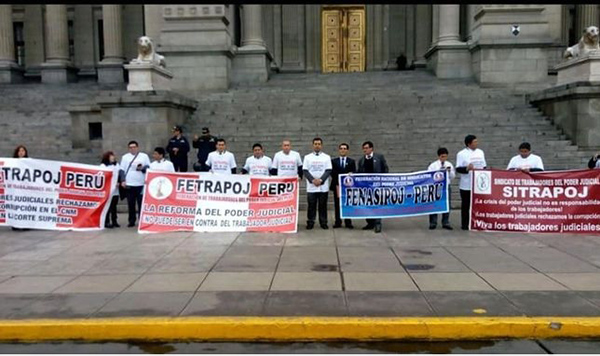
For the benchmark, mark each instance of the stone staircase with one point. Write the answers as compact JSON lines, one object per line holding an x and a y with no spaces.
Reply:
{"x":407,"y":115}
{"x":36,"y":115}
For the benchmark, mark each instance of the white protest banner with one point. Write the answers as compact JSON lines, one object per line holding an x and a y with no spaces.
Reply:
{"x":53,"y":195}
{"x":218,"y":202}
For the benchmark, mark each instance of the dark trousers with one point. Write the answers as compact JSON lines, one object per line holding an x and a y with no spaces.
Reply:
{"x":180,"y":165}
{"x":111,"y":215}
{"x":313,"y":200}
{"x":336,"y":204}
{"x":465,"y":207}
{"x":374,"y":222}
{"x":445,"y":217}
{"x":134,"y":194}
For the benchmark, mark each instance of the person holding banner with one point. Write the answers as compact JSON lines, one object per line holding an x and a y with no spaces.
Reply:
{"x":372,"y":163}
{"x":178,"y":149}
{"x":594,"y":162}
{"x":20,"y":152}
{"x":467,"y":159}
{"x":442,"y":163}
{"x":134,"y":164}
{"x":287,"y":162}
{"x":160,"y":163}
{"x":317,"y":169}
{"x":341,"y":165}
{"x":258,"y":164}
{"x":221,"y":161}
{"x":109,"y":160}
{"x":525,"y":160}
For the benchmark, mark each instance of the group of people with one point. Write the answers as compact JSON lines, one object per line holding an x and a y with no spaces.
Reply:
{"x":318,"y":168}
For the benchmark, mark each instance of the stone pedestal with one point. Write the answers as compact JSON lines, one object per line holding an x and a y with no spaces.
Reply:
{"x":450,"y":61}
{"x":148,"y":77}
{"x":146,"y":117}
{"x":501,"y":58}
{"x":574,"y":108}
{"x":11,"y":73}
{"x":110,"y":73}
{"x":58,"y":73}
{"x":251,"y":64}
{"x":581,"y":69}
{"x":197,"y":42}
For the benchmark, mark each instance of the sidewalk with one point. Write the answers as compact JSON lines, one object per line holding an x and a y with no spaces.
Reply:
{"x":407,"y":270}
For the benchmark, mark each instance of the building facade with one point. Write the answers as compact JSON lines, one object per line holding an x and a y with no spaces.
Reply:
{"x":216,"y":46}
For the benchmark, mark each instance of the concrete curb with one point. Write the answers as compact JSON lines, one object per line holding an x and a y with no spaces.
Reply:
{"x":297,"y":328}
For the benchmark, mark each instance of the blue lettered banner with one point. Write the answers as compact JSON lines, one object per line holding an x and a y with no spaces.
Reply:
{"x":393,"y":195}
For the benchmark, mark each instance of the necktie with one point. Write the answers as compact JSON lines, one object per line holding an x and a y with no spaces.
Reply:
{"x":343,"y":163}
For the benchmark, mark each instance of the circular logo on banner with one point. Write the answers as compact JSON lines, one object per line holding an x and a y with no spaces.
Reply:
{"x":160,"y":188}
{"x":348,"y":181}
{"x":483,"y":182}
{"x":438,"y":176}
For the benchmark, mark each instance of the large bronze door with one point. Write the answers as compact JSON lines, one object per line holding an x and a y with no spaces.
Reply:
{"x":343,"y":39}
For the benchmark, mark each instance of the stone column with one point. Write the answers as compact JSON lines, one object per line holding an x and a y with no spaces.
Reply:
{"x":252,"y":26}
{"x":449,"y":24}
{"x":435,"y":24}
{"x":586,"y":15}
{"x":110,"y":70}
{"x":449,"y":57}
{"x":57,"y":34}
{"x":58,"y":67}
{"x":252,"y":61}
{"x":9,"y":70}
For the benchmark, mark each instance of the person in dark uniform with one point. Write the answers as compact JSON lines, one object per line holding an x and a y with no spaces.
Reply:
{"x":372,"y":163}
{"x":205,"y":145}
{"x":340,"y":165}
{"x":178,"y":149}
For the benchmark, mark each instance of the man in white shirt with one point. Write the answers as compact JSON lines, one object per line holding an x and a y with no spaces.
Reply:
{"x":287,"y":162}
{"x":160,"y":163}
{"x":525,"y":160}
{"x":317,"y":169}
{"x":258,"y":164}
{"x":468,"y":159}
{"x":442,"y":163}
{"x":134,"y":165}
{"x":221,"y":161}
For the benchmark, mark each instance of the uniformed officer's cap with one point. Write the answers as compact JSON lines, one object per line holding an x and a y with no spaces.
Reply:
{"x":177,"y":128}
{"x":205,"y":130}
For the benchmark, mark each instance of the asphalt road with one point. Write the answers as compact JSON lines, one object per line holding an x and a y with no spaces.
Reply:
{"x":462,"y":347}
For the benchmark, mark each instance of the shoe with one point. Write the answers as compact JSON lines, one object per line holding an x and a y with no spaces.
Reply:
{"x":130,"y":225}
{"x":349,"y":227}
{"x":447,"y":227}
{"x":324,"y":227}
{"x":310,"y":226}
{"x":432,"y":227}
{"x":368,"y":227}
{"x":108,"y":226}
{"x":377,"y":229}
{"x":336,"y":225}
{"x":465,"y":228}
{"x":116,"y":225}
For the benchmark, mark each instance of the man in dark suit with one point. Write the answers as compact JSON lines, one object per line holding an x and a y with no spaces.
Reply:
{"x":341,"y":165}
{"x":372,"y":163}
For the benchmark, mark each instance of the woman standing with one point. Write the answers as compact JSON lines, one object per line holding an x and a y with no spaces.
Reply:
{"x":20,"y":152}
{"x":109,"y":160}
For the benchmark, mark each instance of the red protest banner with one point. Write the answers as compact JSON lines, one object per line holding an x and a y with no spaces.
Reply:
{"x":550,"y":202}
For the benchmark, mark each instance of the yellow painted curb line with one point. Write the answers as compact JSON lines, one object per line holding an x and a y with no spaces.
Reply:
{"x":298,"y":328}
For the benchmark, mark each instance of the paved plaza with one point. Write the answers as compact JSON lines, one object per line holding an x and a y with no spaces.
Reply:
{"x":407,"y":270}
